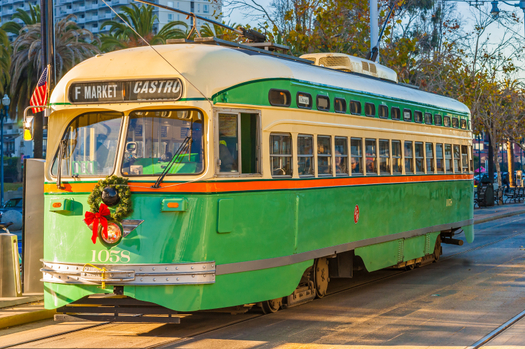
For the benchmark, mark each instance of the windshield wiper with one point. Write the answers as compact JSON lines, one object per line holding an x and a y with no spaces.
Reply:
{"x":184,"y":147}
{"x":61,"y":149}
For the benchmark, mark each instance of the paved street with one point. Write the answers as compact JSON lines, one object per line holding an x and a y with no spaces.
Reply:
{"x":472,"y":290}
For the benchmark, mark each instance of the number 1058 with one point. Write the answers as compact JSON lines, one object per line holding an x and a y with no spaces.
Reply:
{"x":104,"y":256}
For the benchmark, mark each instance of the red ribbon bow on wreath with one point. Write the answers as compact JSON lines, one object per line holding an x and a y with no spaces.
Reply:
{"x":97,"y":218}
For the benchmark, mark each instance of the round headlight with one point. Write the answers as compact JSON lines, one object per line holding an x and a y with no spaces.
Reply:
{"x":114,"y":234}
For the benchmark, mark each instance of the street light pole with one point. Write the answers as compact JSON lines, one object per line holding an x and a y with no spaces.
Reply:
{"x":5,"y":105}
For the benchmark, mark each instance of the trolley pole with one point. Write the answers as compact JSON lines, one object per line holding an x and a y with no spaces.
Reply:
{"x":374,"y":29}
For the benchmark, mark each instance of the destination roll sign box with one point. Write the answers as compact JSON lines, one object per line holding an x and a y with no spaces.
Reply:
{"x":125,"y":91}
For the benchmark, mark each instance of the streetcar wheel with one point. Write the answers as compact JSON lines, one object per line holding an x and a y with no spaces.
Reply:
{"x":321,"y":277}
{"x":437,"y":249}
{"x":410,"y":267}
{"x":271,"y":306}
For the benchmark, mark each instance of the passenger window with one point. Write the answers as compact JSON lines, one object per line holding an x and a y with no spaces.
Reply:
{"x":464,"y":158}
{"x":455,"y":122}
{"x":439,"y":158}
{"x":355,"y":107}
{"x":383,"y":111}
{"x":233,"y":159}
{"x":457,"y":159}
{"x":407,"y":115}
{"x":305,"y":155}
{"x":323,"y":103}
{"x":446,"y":121}
{"x":438,"y":121}
{"x":448,"y":158}
{"x":370,"y":109}
{"x":341,"y":156}
{"x":430,"y":158}
{"x":371,"y":161}
{"x":279,"y":98}
{"x":463,"y":124}
{"x":324,"y":155}
{"x":357,"y":156}
{"x":384,"y":156}
{"x":397,"y":161}
{"x":339,"y":105}
{"x":420,"y":157}
{"x":396,"y":113}
{"x":281,"y":155}
{"x":428,"y":118}
{"x":418,"y":116}
{"x":471,"y":162}
{"x":304,"y":100}
{"x":409,"y":165}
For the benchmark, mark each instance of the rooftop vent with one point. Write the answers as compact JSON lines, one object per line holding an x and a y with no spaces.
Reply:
{"x":344,"y":62}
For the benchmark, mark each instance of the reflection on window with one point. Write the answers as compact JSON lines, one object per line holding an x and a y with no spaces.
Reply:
{"x":279,"y":98}
{"x":455,"y":122}
{"x":324,"y":155}
{"x":384,"y":156}
{"x":341,"y":156}
{"x":446,"y":121}
{"x":91,"y":145}
{"x":428,"y":118}
{"x":418,"y":116}
{"x":457,"y":159}
{"x":409,"y":165}
{"x":155,"y":137}
{"x":383,"y":111}
{"x":439,"y":158}
{"x":418,"y":149}
{"x":339,"y":105}
{"x":448,"y":157}
{"x":396,"y":113}
{"x":228,"y":143}
{"x":371,"y":161}
{"x":463,"y":124}
{"x":355,"y":107}
{"x":281,"y":155}
{"x":370,"y":109}
{"x":430,"y":158}
{"x":357,"y":156}
{"x":305,"y":155}
{"x":464,"y":158}
{"x":397,"y":161}
{"x":438,"y":120}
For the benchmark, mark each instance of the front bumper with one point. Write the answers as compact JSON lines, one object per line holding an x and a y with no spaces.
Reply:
{"x":129,"y":274}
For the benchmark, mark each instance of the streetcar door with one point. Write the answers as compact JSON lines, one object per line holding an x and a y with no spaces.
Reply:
{"x":238,"y":145}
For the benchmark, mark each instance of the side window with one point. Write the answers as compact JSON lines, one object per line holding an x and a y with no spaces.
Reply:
{"x":341,"y":156}
{"x":448,"y":158}
{"x":304,"y":100}
{"x":409,"y":165}
{"x":464,"y":158}
{"x":407,"y":115}
{"x":324,"y":155}
{"x":397,"y":161}
{"x":428,"y":118}
{"x":457,"y":159}
{"x":396,"y":113}
{"x":279,"y":98}
{"x":438,"y":121}
{"x":446,"y":121}
{"x":418,"y":116}
{"x":455,"y":122}
{"x":383,"y":111}
{"x":323,"y":103}
{"x":430,"y":157}
{"x":305,"y":155}
{"x":370,"y":109}
{"x":371,"y":158}
{"x":420,"y":157}
{"x":439,"y":158}
{"x":355,"y":107}
{"x":357,"y":156}
{"x":281,"y":155}
{"x":339,"y":105}
{"x":384,"y":156}
{"x":463,"y":124}
{"x":471,"y":162}
{"x":234,"y":156}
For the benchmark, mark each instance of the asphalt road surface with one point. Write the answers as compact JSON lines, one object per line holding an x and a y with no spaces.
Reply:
{"x":471,"y":291}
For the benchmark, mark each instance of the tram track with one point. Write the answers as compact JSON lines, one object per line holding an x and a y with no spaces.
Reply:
{"x":392,"y":274}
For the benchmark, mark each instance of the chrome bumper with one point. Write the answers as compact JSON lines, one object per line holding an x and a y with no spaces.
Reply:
{"x":129,"y":274}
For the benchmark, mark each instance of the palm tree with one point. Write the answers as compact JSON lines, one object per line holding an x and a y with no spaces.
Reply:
{"x":27,"y":18}
{"x":142,"y":20}
{"x":5,"y":61}
{"x":72,"y":45}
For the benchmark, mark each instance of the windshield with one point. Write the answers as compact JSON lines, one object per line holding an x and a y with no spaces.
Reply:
{"x":154,"y":137}
{"x":91,"y":145}
{"x":13,"y":203}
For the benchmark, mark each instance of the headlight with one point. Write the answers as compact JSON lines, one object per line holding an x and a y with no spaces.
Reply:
{"x":114,"y":234}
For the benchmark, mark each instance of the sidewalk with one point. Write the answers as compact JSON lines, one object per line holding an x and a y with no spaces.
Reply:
{"x":30,"y":308}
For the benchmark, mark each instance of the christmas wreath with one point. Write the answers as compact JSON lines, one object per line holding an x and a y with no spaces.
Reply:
{"x":120,"y":185}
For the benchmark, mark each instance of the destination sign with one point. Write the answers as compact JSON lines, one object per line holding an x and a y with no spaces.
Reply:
{"x":125,"y":91}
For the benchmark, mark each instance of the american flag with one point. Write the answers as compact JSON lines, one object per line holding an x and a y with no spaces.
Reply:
{"x":39,"y":97}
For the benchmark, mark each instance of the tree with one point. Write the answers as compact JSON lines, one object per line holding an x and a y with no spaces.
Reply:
{"x":5,"y":61}
{"x":72,"y":45}
{"x":27,"y":18}
{"x":142,"y":20}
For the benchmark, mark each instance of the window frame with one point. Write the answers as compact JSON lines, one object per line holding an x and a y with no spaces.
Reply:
{"x":347,"y":156}
{"x":410,"y":112}
{"x":421,"y":158}
{"x":305,"y":94}
{"x":286,"y":92}
{"x":398,"y":113}
{"x":431,"y":158}
{"x":438,"y":117}
{"x":442,"y":158}
{"x":405,"y":157}
{"x":389,"y":162}
{"x":431,"y":119}
{"x":464,"y":159}
{"x":374,"y":109}
{"x":359,"y":157}
{"x":397,"y":141}
{"x":317,"y":102}
{"x":312,"y":156}
{"x":416,"y":113}
{"x":456,"y":122}
{"x":463,"y":124}
{"x":383,"y":107}
{"x":344,"y":105}
{"x":457,"y":162}
{"x":374,"y":140}
{"x":446,"y":121}
{"x":357,"y":103}
{"x":447,"y":170}
{"x":281,"y":155}
{"x":320,"y":155}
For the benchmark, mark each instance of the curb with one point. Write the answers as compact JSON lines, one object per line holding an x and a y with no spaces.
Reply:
{"x":20,"y":319}
{"x":493,"y":218}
